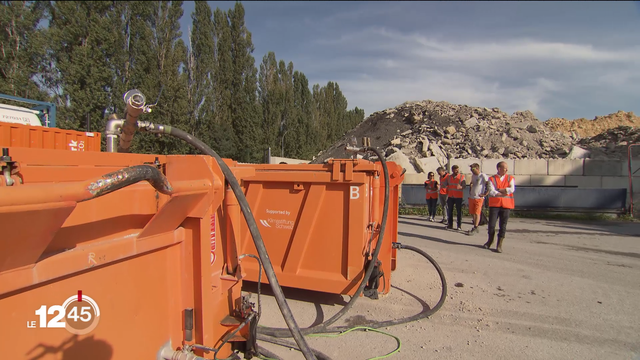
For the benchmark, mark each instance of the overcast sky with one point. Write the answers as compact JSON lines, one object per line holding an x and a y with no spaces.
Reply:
{"x":557,"y":59}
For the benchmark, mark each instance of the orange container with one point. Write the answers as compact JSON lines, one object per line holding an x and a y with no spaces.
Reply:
{"x":317,"y":222}
{"x":136,"y":257}
{"x":26,"y":136}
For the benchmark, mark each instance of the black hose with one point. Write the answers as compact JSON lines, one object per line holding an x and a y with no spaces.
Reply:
{"x":422,"y":314}
{"x":280,"y":332}
{"x":419,"y":316}
{"x":119,"y":179}
{"x":255,"y":233}
{"x":252,"y":345}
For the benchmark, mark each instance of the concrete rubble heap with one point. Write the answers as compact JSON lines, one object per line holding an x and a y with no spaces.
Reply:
{"x":612,"y":144}
{"x":422,"y":135}
{"x":587,"y":128}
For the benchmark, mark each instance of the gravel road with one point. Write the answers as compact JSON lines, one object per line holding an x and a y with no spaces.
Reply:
{"x":560,"y":290}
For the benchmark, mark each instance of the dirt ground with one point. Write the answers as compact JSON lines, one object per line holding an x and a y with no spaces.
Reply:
{"x":560,"y":290}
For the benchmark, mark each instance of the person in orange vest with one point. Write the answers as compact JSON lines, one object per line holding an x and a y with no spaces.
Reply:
{"x":478,"y":190}
{"x":432,"y":195}
{"x":455,"y":185}
{"x":501,"y":189}
{"x":442,"y":194}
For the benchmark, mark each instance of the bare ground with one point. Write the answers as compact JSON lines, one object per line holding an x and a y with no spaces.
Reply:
{"x":560,"y":290}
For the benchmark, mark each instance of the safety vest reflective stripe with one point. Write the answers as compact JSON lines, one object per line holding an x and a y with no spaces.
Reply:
{"x":443,"y":191}
{"x":432,"y":190}
{"x":451,"y":186}
{"x":503,"y":201}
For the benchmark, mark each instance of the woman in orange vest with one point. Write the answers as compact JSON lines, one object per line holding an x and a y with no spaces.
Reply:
{"x":432,"y":195}
{"x":501,"y":189}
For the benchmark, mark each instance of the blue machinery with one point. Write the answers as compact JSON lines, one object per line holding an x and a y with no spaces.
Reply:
{"x":47,"y":110}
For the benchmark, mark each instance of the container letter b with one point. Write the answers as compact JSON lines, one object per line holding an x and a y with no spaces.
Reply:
{"x":355,"y":192}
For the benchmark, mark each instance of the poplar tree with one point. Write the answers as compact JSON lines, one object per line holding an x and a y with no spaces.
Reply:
{"x":302,"y":145}
{"x":81,"y":42}
{"x":270,"y":97}
{"x":160,"y":64}
{"x":287,"y":124}
{"x":224,"y":137}
{"x":91,"y":53}
{"x":22,"y":49}
{"x":201,"y":68}
{"x":245,"y":116}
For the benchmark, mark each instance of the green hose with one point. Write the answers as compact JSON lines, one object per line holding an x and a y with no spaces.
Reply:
{"x":365,"y":329}
{"x":329,"y":335}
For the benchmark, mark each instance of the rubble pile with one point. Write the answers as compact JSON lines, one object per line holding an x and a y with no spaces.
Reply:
{"x":440,"y":129}
{"x":611,"y":144}
{"x":587,"y":128}
{"x":423,"y":134}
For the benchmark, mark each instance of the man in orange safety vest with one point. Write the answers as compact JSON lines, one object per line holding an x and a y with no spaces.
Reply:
{"x":455,"y":186}
{"x":501,"y":189}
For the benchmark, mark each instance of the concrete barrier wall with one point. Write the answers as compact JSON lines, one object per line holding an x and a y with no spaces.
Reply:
{"x":585,"y":173}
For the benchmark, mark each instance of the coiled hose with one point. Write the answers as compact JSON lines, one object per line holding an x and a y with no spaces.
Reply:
{"x":381,"y":324}
{"x":253,"y":229}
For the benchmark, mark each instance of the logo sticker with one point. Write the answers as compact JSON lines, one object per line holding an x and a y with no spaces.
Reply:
{"x":79,"y":315}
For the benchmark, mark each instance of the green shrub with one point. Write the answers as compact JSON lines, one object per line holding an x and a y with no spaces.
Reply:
{"x":424,"y":210}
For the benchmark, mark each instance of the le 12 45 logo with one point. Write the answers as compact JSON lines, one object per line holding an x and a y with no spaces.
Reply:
{"x":79,"y":314}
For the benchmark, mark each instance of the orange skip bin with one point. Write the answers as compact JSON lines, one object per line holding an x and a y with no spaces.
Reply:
{"x":319,"y":222}
{"x":115,"y":275}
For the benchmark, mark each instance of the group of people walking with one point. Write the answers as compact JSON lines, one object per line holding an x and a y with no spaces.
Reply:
{"x":449,"y":192}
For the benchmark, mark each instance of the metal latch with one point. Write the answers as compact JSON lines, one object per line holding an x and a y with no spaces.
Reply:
{"x":10,"y":170}
{"x":348,"y":169}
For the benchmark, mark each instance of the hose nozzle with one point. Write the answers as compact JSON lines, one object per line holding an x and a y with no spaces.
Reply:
{"x":354,"y":149}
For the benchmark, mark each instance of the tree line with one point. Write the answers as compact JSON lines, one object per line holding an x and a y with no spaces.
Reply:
{"x":83,"y":56}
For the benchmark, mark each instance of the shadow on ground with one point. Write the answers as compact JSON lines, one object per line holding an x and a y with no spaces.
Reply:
{"x":613,"y":227}
{"x":588,"y":249}
{"x":435,"y":239}
{"x":297,"y":294}
{"x":581,"y":227}
{"x":593,"y":232}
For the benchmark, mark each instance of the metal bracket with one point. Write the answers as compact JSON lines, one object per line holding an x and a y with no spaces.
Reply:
{"x":9,"y":170}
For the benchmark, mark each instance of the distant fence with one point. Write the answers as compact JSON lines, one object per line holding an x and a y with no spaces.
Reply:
{"x":547,"y":198}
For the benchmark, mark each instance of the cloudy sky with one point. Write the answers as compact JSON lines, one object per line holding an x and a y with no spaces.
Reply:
{"x":557,"y":59}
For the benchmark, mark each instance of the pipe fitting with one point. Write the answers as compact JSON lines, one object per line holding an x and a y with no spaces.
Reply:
{"x":354,"y":149}
{"x":135,"y":106}
{"x":180,"y":355}
{"x":112,"y":131}
{"x":150,"y":127}
{"x":167,"y":353}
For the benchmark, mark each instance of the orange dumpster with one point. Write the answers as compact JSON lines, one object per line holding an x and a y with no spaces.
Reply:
{"x":18,"y":135}
{"x":319,"y":222}
{"x":124,"y":266}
